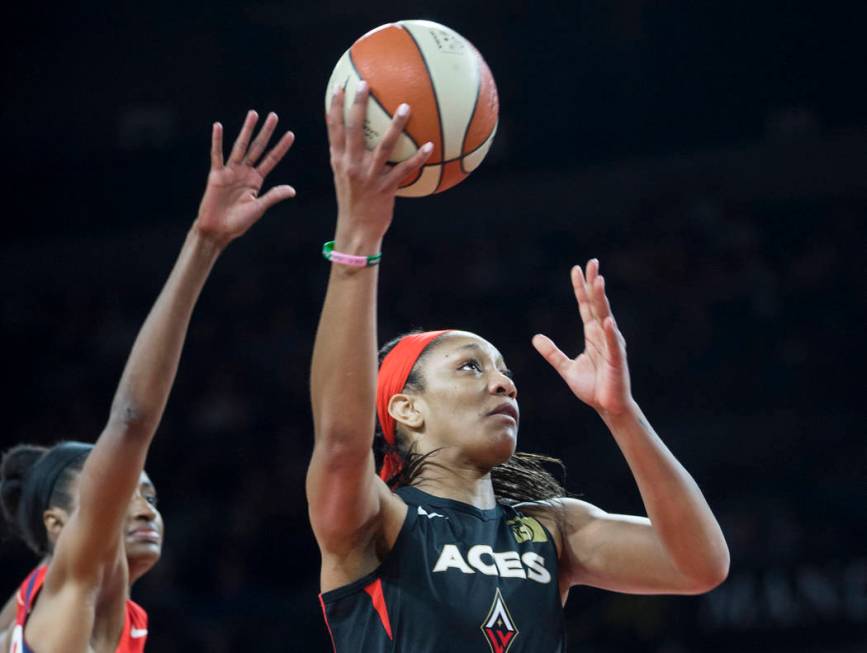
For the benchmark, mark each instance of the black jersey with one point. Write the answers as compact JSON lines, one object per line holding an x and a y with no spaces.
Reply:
{"x":458,"y":579}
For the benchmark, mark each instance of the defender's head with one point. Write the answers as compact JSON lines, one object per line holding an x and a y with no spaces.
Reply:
{"x":39,"y":493}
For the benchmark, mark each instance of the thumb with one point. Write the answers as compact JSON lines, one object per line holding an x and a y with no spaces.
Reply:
{"x":551,"y":353}
{"x":275,"y":196}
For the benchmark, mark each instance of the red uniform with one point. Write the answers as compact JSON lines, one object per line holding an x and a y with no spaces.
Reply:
{"x":135,"y":621}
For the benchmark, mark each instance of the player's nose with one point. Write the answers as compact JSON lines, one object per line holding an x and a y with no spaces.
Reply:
{"x":502,"y":384}
{"x":141,"y":508}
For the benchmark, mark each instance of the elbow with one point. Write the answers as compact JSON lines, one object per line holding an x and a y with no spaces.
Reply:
{"x":131,"y":418}
{"x":713,"y":573}
{"x":712,"y":579}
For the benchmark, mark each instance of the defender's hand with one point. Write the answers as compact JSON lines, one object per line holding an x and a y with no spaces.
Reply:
{"x":231,"y":203}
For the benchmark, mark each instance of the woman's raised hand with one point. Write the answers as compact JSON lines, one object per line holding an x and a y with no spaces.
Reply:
{"x":231,"y":203}
{"x":599,"y":376}
{"x":364,"y":181}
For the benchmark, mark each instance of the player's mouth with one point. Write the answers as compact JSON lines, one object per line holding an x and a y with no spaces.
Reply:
{"x":145,"y":534}
{"x":506,"y":409}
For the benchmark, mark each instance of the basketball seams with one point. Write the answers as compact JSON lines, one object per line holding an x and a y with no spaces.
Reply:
{"x":469,"y":163}
{"x":482,"y":114}
{"x":472,"y":115}
{"x":425,"y":184}
{"x":373,"y":97}
{"x":468,"y":152}
{"x":417,"y":176}
{"x":436,"y":98}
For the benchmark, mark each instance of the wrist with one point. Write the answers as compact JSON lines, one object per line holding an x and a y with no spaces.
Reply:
{"x":204,"y":243}
{"x":357,"y":242}
{"x":629,"y":415}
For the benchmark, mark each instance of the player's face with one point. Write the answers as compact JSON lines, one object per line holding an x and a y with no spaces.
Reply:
{"x":469,"y":401}
{"x":143,"y":530}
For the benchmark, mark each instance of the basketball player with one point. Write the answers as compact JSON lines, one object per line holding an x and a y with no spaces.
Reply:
{"x":459,"y":543}
{"x":91,"y":509}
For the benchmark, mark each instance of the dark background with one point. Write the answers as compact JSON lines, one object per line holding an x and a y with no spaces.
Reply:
{"x":712,"y":155}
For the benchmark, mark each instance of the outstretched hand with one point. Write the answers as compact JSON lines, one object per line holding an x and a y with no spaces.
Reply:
{"x":364,"y":180}
{"x":231,"y":203}
{"x":599,"y":376}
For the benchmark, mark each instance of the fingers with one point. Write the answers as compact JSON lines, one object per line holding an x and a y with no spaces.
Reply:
{"x":592,"y":278}
{"x":355,"y":122}
{"x":579,"y":285}
{"x":551,"y":353}
{"x":595,"y":308}
{"x":383,"y":151}
{"x":614,"y":341}
{"x":276,"y":154}
{"x":334,"y":120}
{"x":216,"y":146}
{"x":405,"y":168}
{"x":590,"y":292}
{"x":262,"y":139}
{"x":239,"y":149}
{"x":592,"y":271}
{"x":275,"y":196}
{"x":601,"y":306}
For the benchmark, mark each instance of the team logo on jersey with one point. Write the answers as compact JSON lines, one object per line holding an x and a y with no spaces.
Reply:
{"x":498,"y":627}
{"x":430,"y":515}
{"x":527,"y":529}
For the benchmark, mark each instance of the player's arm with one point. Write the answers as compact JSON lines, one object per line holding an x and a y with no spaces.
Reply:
{"x":343,"y":492}
{"x":679,"y":548}
{"x":230,"y":205}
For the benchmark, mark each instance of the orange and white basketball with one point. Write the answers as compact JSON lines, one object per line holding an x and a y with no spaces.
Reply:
{"x":446,"y":83}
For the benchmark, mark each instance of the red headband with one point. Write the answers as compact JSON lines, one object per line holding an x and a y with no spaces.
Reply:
{"x":393,"y":373}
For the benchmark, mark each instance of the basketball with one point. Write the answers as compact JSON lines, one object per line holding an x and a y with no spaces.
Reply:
{"x":448,"y":86}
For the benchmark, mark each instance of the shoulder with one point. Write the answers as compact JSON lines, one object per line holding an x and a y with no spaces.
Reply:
{"x":29,"y":588}
{"x":138,"y":615}
{"x":136,"y":622}
{"x":562,"y":517}
{"x":577,"y":512}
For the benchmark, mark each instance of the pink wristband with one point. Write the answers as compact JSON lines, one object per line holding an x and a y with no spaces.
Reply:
{"x":348,"y":259}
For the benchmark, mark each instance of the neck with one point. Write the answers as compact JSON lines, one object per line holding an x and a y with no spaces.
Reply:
{"x":465,"y":485}
{"x":137,"y":570}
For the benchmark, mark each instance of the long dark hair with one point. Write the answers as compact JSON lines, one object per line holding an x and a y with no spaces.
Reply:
{"x":522,"y":478}
{"x":33,"y":479}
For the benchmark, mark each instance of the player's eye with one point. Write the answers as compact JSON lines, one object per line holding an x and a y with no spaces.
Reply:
{"x":151,"y":499}
{"x":471,"y":364}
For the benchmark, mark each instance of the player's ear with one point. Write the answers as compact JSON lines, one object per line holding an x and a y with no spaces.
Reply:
{"x":54,"y":519}
{"x":405,"y":410}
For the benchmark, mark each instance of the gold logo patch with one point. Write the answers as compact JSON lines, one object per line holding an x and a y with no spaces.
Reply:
{"x":527,"y":529}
